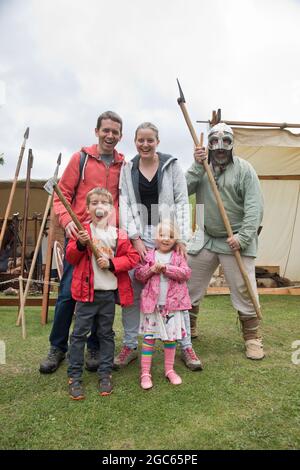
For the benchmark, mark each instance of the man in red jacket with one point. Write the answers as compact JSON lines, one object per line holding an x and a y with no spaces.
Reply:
{"x":96,"y":285}
{"x":98,"y":165}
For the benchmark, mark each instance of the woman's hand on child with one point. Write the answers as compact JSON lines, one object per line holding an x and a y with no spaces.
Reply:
{"x":181,"y":249}
{"x":140,"y":248}
{"x":83,"y":237}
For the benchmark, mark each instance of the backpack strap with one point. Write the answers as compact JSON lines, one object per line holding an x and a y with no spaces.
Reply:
{"x":82,"y":160}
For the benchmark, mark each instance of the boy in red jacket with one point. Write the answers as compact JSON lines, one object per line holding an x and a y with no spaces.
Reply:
{"x":96,"y":285}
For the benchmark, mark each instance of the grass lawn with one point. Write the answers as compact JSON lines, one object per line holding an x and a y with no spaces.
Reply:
{"x":234,"y":403}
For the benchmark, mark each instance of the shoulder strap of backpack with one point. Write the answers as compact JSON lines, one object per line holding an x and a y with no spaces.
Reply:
{"x":82,"y":160}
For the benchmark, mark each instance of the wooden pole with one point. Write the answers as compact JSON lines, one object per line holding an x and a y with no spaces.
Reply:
{"x":281,"y":125}
{"x":22,"y":317}
{"x":223,"y":213}
{"x":25,"y":212}
{"x":74,"y":218}
{"x":36,"y":252}
{"x":46,"y":289}
{"x":194,"y":219}
{"x":13,"y":188}
{"x":25,"y":216}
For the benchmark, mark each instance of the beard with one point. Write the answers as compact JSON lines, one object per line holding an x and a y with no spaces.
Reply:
{"x":220,"y":158}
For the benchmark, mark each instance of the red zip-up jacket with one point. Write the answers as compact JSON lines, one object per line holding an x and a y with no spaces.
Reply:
{"x":95,"y":173}
{"x":126,"y":258}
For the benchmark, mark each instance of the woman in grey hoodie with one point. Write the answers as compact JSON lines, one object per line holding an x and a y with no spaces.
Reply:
{"x":152,"y":189}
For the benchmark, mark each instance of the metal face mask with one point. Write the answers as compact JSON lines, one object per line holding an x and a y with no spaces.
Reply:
{"x":220,"y":137}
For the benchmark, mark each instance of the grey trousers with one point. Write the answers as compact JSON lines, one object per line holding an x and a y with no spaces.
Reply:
{"x":203,"y":266}
{"x":103,"y":310}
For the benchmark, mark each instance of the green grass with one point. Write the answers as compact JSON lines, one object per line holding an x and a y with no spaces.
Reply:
{"x":233,"y":404}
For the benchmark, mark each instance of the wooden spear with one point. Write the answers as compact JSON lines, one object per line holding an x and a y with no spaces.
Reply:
{"x":194,"y":218}
{"x":22,"y":313}
{"x":13,"y":188}
{"x":52,"y":185}
{"x":36,"y":252}
{"x":237,"y":254}
{"x":25,"y":212}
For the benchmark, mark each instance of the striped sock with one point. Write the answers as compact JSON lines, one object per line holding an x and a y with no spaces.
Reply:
{"x":170,"y":350}
{"x":146,"y":354}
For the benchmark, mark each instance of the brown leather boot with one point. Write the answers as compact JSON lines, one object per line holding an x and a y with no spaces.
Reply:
{"x":193,"y":321}
{"x":252,"y":338}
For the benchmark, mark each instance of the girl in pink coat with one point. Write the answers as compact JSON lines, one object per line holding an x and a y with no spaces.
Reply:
{"x":164,"y":299}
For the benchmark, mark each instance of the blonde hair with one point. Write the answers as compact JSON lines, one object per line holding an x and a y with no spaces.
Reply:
{"x":170,"y":227}
{"x":100,"y":192}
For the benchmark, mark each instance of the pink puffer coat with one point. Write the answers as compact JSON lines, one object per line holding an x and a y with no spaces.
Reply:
{"x":178,"y":273}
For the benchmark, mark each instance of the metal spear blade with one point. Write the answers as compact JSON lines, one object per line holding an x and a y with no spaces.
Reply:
{"x":26,"y":133}
{"x":49,"y":185}
{"x":181,"y":98}
{"x":57,"y":166}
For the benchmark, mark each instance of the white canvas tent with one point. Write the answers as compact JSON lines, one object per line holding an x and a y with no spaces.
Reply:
{"x":275,"y":155}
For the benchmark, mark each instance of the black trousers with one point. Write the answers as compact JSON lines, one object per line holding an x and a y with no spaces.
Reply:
{"x":102,"y":310}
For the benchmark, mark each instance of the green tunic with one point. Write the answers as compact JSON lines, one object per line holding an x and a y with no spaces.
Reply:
{"x":241,"y":194}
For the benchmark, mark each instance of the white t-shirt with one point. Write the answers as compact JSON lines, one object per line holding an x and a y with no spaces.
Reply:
{"x":163,"y":258}
{"x":106,"y":241}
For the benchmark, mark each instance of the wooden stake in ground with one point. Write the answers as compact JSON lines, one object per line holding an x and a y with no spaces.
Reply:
{"x":36,"y":252}
{"x":13,"y":188}
{"x":237,"y":254}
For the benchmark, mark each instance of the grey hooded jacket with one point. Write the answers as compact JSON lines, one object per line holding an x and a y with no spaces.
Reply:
{"x":172,"y":197}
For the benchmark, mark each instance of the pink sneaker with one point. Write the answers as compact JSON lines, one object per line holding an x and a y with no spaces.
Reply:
{"x":146,"y":382}
{"x":173,"y":378}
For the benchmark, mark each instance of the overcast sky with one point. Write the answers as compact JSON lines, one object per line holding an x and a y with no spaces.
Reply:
{"x":63,"y":62}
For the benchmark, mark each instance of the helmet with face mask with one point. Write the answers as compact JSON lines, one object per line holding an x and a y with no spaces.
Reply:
{"x":220,"y":137}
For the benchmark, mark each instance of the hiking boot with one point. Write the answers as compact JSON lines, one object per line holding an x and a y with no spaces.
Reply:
{"x":52,"y":361}
{"x":146,"y":381}
{"x":189,"y":357}
{"x":105,"y":385}
{"x":125,"y":356}
{"x":76,"y":389}
{"x":194,"y":312}
{"x":193,"y":323}
{"x":92,"y":360}
{"x":254,"y":349}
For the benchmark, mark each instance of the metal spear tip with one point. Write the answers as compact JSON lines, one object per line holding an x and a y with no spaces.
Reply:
{"x":26,"y":133}
{"x":49,"y":185}
{"x":181,"y":99}
{"x":59,"y":159}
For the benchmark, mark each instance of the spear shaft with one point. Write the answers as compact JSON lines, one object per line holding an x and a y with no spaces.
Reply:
{"x":237,"y":254}
{"x":13,"y":188}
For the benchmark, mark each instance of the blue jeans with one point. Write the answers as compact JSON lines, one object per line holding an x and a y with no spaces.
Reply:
{"x":131,"y":314}
{"x":63,"y":314}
